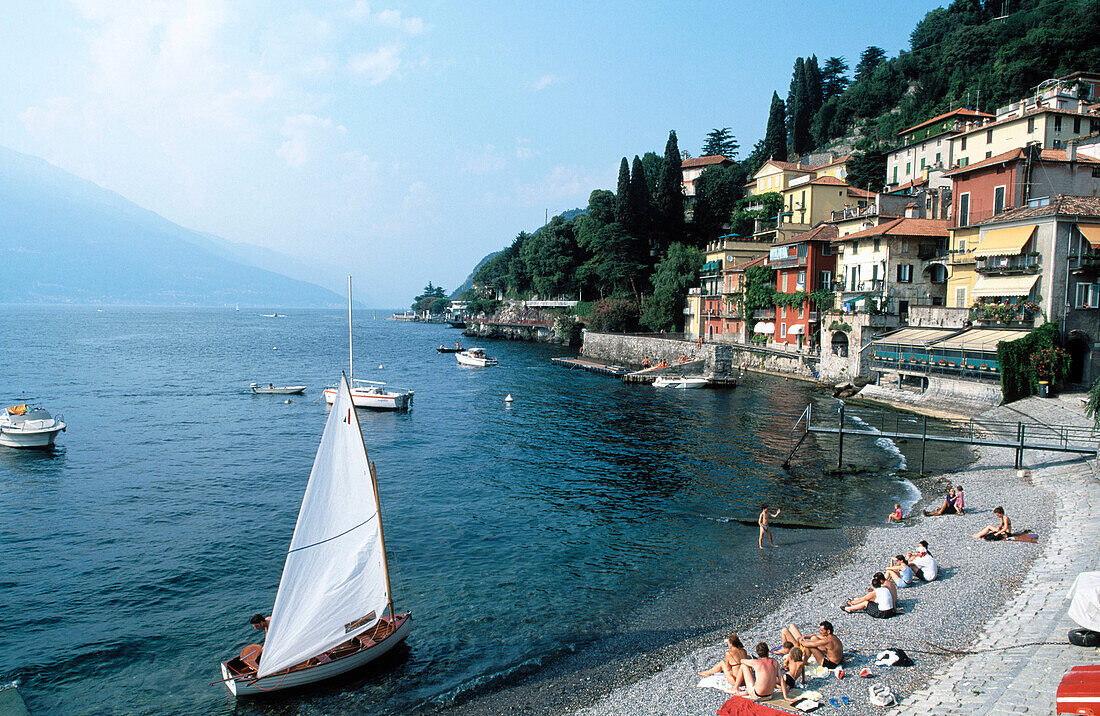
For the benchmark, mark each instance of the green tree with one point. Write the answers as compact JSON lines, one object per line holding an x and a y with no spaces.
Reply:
{"x":651,"y":162}
{"x":758,"y":288}
{"x":614,"y":315}
{"x":622,"y":194}
{"x":678,"y":271}
{"x":550,"y":256}
{"x":834,"y":77}
{"x":640,"y":223}
{"x":743,"y":220}
{"x":867,"y":167}
{"x":775,"y":136}
{"x":869,"y":60}
{"x":797,"y":125}
{"x":716,"y":191}
{"x":670,"y":195}
{"x":720,"y":142}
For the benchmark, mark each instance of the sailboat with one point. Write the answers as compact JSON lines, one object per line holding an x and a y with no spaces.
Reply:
{"x":369,"y":393}
{"x":334,"y":608}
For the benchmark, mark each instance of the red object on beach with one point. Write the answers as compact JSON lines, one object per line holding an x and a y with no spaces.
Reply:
{"x":740,"y":706}
{"x":1079,"y":691}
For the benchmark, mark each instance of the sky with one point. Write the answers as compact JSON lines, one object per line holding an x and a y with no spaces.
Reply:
{"x":397,"y":141}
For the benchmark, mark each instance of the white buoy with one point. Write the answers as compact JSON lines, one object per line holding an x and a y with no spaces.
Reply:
{"x":379,"y":366}
{"x":508,"y":398}
{"x":288,"y":401}
{"x":274,"y":348}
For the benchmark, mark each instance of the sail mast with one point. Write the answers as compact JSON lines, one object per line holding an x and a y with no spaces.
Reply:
{"x":351,"y":358}
{"x":381,"y":533}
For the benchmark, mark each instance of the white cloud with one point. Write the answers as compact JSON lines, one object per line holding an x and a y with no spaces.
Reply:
{"x":523,"y":148}
{"x":386,"y":18}
{"x":484,"y":160}
{"x":377,"y":66}
{"x":544,"y":82}
{"x":305,"y":134}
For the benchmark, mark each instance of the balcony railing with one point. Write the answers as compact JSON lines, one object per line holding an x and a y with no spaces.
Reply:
{"x":868,"y":286}
{"x":997,"y":265}
{"x":1084,"y":261}
{"x":787,"y":262}
{"x":764,"y":314}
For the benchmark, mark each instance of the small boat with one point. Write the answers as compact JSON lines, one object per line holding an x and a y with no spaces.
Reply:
{"x":369,"y":393}
{"x":444,"y":349}
{"x":273,"y":315}
{"x":475,"y":357}
{"x":373,"y":394}
{"x":334,"y":608}
{"x":679,"y":381}
{"x":272,"y":389}
{"x":23,"y":427}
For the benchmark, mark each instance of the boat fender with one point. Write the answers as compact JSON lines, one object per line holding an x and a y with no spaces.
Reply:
{"x":1084,"y":637}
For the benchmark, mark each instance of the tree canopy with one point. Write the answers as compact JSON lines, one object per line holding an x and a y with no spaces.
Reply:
{"x":721,"y":142}
{"x":676,"y":272}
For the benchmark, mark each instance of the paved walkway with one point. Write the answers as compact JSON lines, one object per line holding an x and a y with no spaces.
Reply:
{"x":1025,"y":680}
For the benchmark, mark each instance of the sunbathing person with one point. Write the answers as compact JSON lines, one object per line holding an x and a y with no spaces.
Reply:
{"x":877,"y":603}
{"x":795,"y":667}
{"x":999,"y":531}
{"x":948,"y":506}
{"x":899,"y":572}
{"x":761,"y":676}
{"x":823,"y":646}
{"x":889,"y":584}
{"x":729,"y":663}
{"x":924,"y":566}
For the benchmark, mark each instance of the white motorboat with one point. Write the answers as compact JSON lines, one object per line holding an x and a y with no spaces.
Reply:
{"x":679,"y":381}
{"x":334,"y":608}
{"x":475,"y":357}
{"x":373,"y":394}
{"x":272,"y":389}
{"x":369,"y":393}
{"x":21,"y":427}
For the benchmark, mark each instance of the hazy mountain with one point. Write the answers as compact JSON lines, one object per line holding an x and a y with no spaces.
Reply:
{"x":64,"y":239}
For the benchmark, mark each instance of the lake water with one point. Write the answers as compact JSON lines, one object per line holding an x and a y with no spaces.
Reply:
{"x":518,"y":535}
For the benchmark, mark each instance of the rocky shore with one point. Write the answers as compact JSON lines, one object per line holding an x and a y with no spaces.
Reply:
{"x":982,"y":586}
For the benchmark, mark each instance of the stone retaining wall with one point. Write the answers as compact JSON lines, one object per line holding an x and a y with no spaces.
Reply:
{"x":630,"y":350}
{"x":538,"y":334}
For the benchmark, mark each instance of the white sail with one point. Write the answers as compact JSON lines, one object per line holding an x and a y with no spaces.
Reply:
{"x":334,"y":580}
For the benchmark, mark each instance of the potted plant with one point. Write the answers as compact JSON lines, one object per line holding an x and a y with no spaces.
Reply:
{"x":1050,"y":365}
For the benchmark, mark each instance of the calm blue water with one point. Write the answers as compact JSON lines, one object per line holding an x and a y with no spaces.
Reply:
{"x":135,"y":553}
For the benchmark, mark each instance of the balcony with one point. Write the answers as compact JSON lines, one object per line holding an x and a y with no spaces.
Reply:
{"x":1009,"y":265}
{"x":869,"y":286}
{"x":787,"y":262}
{"x":1084,"y":261}
{"x":764,"y":314}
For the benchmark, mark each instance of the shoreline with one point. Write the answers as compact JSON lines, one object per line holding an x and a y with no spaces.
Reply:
{"x":978,"y":581}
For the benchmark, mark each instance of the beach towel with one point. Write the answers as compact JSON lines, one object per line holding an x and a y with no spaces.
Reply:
{"x":716,"y":681}
{"x":739,"y":706}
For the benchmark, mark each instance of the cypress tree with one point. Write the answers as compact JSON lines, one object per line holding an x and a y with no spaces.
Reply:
{"x":775,"y":137}
{"x":814,"y":91}
{"x":796,"y":100}
{"x":622,"y":194}
{"x":640,"y":212}
{"x":670,"y":194}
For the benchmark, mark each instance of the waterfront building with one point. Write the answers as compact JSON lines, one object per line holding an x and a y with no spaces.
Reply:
{"x":735,"y":323}
{"x":726,"y":251}
{"x":990,"y":187}
{"x":927,"y":146}
{"x":803,"y":264}
{"x":692,"y":168}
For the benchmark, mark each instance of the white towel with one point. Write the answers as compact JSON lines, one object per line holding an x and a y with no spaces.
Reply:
{"x":717,"y":681}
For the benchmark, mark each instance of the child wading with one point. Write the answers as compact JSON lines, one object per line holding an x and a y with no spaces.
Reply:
{"x":764,"y":529}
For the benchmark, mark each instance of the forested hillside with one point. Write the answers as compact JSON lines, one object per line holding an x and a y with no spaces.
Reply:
{"x":633,"y":245}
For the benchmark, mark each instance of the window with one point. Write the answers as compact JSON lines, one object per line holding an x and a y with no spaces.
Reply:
{"x":964,"y":209}
{"x":962,"y":143}
{"x":988,"y":155}
{"x":905,"y":273}
{"x":960,"y":297}
{"x":1096,"y":172}
{"x":998,"y":200}
{"x":801,"y":277}
{"x":1057,"y":123}
{"x":878,"y":244}
{"x":1094,"y":126}
{"x":855,"y":248}
{"x":783,"y":326}
{"x":825,"y":280}
{"x":937,"y":157}
{"x":801,"y":310}
{"x":962,"y":244}
{"x":908,"y":168}
{"x":1030,"y":125}
{"x":922,"y":163}
{"x":1088,"y":295}
{"x":874,"y":272}
{"x":826,"y":250}
{"x":964,"y":161}
{"x":989,"y":136}
{"x":903,"y":244}
{"x":1076,"y":125}
{"x":895,"y":175}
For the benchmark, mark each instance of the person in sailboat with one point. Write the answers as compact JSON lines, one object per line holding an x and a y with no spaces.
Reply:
{"x":260,"y":623}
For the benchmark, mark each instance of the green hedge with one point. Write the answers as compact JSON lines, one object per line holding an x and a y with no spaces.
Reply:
{"x":1019,"y":378}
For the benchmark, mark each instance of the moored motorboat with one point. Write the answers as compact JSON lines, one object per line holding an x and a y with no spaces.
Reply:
{"x":679,"y":381}
{"x":445,"y":349}
{"x":475,"y":357}
{"x":23,"y":427}
{"x":374,"y":394}
{"x":334,"y":607}
{"x":272,"y":389}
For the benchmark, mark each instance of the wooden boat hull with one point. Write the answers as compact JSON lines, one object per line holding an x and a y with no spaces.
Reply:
{"x":281,"y":681}
{"x":375,"y":401}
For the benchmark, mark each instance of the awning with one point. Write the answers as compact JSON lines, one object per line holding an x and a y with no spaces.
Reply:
{"x":1004,"y":242}
{"x":764,"y":328}
{"x":1091,"y":232}
{"x":987,"y":286}
{"x":796,"y":329}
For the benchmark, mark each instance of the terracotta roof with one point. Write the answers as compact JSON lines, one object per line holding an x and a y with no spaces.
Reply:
{"x":835,"y":162}
{"x":704,"y":161}
{"x":832,"y":181}
{"x":902,"y":227}
{"x":789,"y":167}
{"x":821,"y":232}
{"x":909,"y":185}
{"x":1060,"y":205}
{"x":1018,"y":154}
{"x":860,"y":193}
{"x":961,"y":112}
{"x":759,"y":261}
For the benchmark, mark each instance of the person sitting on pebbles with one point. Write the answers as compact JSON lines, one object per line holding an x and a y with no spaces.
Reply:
{"x":899,"y":572}
{"x":1002,"y":530}
{"x":795,"y":667}
{"x":760,"y":676}
{"x":731,"y":661}
{"x":948,"y":506}
{"x":877,"y":603}
{"x":924,"y":566}
{"x":896,"y":515}
{"x":824,"y":646}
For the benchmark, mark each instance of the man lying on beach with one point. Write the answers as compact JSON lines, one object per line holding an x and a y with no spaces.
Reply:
{"x":1002,"y":530}
{"x":899,"y":572}
{"x":823,"y":646}
{"x":731,"y":661}
{"x":764,"y":529}
{"x":761,"y":676}
{"x":877,"y":603}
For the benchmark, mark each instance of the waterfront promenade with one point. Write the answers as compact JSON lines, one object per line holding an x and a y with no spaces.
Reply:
{"x":990,"y":594}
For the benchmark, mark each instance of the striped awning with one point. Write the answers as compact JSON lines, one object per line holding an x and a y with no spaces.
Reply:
{"x":990,"y":286}
{"x":1091,"y":232}
{"x":1004,"y":242}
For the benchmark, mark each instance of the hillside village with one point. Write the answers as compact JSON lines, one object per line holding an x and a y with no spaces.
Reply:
{"x":984,"y":221}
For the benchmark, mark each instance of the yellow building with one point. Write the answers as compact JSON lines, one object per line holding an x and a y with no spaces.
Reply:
{"x":960,"y":264}
{"x":813,"y":200}
{"x":776,"y":176}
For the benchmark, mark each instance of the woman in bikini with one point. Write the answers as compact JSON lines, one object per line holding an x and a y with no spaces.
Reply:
{"x":1000,"y":531}
{"x":731,"y":661}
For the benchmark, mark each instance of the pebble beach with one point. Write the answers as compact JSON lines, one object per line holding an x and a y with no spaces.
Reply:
{"x":986,"y":596}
